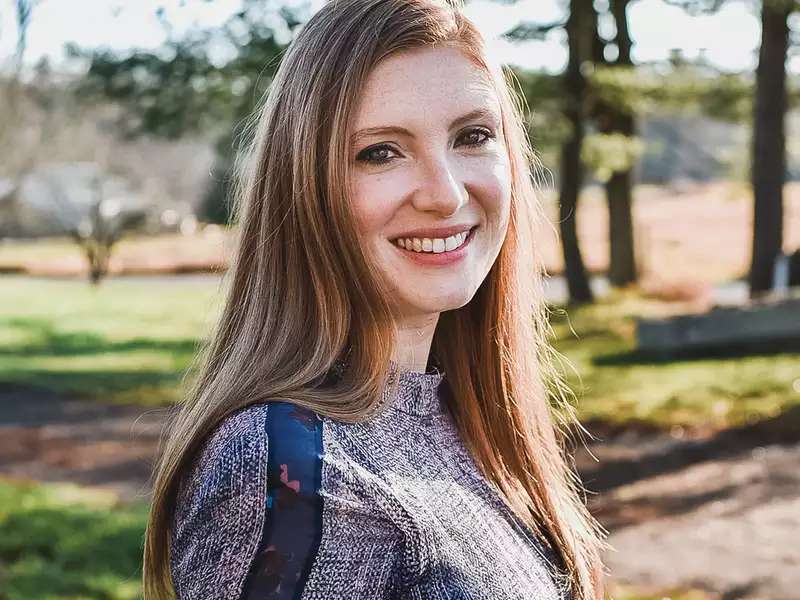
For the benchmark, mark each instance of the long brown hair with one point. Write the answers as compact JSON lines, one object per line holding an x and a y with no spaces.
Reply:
{"x":302,"y":294}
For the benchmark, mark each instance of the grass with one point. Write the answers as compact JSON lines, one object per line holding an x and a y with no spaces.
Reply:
{"x":624,"y":592}
{"x":124,"y":341}
{"x":131,"y":341}
{"x":617,"y":386}
{"x":65,"y":542}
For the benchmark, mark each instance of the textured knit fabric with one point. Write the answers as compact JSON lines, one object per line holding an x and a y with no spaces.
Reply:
{"x":283,"y":503}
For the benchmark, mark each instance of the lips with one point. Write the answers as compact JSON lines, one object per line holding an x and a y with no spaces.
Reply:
{"x":437,"y":258}
{"x":434,"y":232}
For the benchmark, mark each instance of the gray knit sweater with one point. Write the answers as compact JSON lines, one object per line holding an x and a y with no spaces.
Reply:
{"x":283,"y":503}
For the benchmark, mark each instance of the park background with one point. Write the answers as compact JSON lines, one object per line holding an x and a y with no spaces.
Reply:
{"x":670,"y":137}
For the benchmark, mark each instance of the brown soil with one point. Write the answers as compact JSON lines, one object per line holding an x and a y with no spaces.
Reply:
{"x":46,"y":437}
{"x":719,"y":512}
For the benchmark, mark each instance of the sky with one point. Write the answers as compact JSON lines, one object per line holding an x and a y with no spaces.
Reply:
{"x":729,"y":39}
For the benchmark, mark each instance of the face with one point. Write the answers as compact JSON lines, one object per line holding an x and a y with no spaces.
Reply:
{"x":431,"y":180}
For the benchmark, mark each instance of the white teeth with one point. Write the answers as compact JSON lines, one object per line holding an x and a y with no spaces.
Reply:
{"x":434,"y":245}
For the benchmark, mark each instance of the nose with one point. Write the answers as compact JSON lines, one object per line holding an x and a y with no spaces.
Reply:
{"x":441,"y":190}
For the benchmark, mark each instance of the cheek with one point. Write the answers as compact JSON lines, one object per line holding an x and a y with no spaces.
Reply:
{"x":375,"y":200}
{"x":494,"y":190}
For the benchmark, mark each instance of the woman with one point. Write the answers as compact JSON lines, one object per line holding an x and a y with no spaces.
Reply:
{"x":372,"y":419}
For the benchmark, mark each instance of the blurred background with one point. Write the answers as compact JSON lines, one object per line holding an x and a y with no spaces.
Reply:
{"x":670,"y":139}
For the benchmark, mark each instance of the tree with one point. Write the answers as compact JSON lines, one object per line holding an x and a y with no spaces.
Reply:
{"x":768,"y":171}
{"x":84,"y":201}
{"x":613,"y":150}
{"x":616,"y":121}
{"x":769,"y":143}
{"x":106,"y":221}
{"x":581,"y":27}
{"x":181,"y":88}
{"x":24,"y":12}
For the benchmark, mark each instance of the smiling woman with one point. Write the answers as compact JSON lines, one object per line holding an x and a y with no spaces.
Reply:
{"x":373,"y":417}
{"x":442,"y":171}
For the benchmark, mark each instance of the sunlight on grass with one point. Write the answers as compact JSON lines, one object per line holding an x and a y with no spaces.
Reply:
{"x":614,"y":385}
{"x":126,"y":341}
{"x":66,"y":542}
{"x":131,"y":341}
{"x":625,"y":592}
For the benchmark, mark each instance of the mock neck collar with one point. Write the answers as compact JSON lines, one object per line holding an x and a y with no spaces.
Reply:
{"x":417,"y":393}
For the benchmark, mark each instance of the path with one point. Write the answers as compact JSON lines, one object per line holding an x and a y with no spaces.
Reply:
{"x":720,"y":513}
{"x":46,"y":437}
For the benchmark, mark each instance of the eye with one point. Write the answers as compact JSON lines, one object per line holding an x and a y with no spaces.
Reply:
{"x":473,"y":136}
{"x":381,"y":154}
{"x":375,"y":155}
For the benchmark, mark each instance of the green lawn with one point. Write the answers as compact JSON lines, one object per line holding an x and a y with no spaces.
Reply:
{"x":64,"y":542}
{"x":124,"y":341}
{"x":131,"y":341}
{"x":615,"y":385}
{"x":623,"y":592}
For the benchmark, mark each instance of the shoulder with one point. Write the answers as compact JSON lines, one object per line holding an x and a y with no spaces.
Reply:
{"x":222,"y":501}
{"x":234,"y":443}
{"x":233,"y":461}
{"x":230,"y":462}
{"x":219,"y":507}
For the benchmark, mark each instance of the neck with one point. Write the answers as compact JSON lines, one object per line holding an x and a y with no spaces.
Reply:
{"x":414,"y":338}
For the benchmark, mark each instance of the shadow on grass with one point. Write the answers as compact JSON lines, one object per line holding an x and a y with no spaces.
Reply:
{"x":679,"y":454}
{"x":639,"y":357}
{"x":67,"y":551}
{"x":144,"y":387}
{"x":108,"y":379}
{"x":50,"y":342}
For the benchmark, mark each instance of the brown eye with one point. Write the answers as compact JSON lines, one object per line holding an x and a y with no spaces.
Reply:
{"x":477,"y":136}
{"x":376,"y":155}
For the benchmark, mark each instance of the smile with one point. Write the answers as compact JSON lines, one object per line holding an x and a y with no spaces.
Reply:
{"x":436,"y":252}
{"x":434,"y":245}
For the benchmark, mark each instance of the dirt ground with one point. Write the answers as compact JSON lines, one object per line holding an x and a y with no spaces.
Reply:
{"x":45,"y":437}
{"x":695,"y":232}
{"x":719,"y":513}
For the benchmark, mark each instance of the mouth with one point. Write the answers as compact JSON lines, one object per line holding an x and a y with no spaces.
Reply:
{"x":446,"y":245}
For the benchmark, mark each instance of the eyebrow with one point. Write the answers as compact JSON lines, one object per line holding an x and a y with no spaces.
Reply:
{"x":478,"y":113}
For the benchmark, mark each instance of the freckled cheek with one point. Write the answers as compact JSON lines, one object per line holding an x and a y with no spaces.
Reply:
{"x":375,"y":201}
{"x":493,"y":189}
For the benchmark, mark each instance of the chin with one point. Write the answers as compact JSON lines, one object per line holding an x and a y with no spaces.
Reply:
{"x":437,"y":304}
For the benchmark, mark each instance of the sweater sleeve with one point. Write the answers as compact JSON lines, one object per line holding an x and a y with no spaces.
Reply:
{"x":249,"y":524}
{"x":220,"y":510}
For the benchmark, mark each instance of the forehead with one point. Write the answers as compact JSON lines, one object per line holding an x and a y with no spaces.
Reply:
{"x":424,"y":84}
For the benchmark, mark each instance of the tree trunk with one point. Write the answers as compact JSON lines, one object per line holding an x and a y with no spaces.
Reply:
{"x":622,"y":258}
{"x":580,"y":27}
{"x":571,"y":176}
{"x":619,"y":189}
{"x":769,"y":146}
